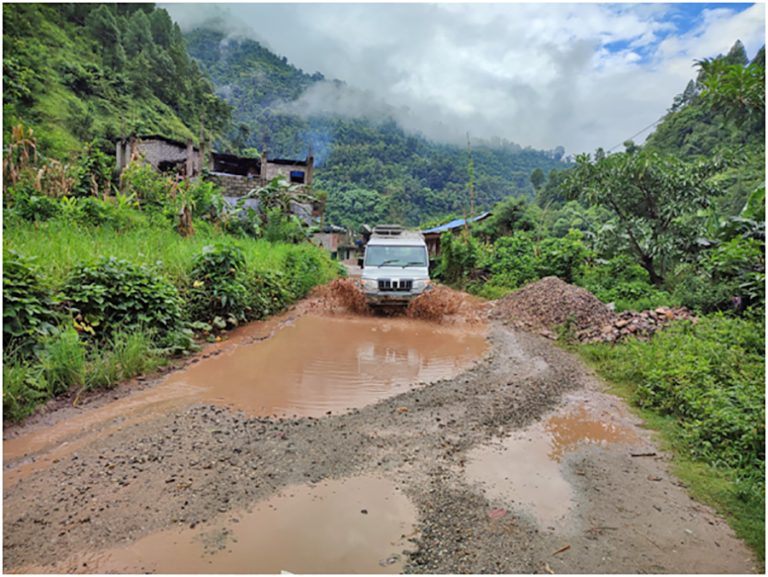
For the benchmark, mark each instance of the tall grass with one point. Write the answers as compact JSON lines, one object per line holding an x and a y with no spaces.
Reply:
{"x":59,"y":246}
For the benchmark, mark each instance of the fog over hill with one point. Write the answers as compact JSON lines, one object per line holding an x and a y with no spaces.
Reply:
{"x":542,"y":75}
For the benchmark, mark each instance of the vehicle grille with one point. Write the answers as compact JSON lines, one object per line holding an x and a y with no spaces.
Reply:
{"x":401,"y":285}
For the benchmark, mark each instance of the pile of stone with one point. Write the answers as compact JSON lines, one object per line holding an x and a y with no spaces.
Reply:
{"x":552,"y":307}
{"x":634,"y":324}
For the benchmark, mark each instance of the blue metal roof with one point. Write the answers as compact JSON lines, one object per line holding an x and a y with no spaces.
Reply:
{"x":459,"y":222}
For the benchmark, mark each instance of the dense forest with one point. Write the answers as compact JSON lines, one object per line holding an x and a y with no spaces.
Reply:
{"x":372,"y":170}
{"x":78,"y":73}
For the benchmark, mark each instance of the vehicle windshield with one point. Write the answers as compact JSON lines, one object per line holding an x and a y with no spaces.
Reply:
{"x":389,"y":255}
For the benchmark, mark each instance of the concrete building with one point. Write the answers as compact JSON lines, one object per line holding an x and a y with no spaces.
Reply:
{"x":236,"y":175}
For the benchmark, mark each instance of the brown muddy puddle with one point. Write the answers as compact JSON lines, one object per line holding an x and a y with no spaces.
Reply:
{"x":307,"y":366}
{"x":523,"y":470}
{"x":357,"y":525}
{"x":320,"y":364}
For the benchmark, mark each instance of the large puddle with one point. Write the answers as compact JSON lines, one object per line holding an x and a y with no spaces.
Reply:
{"x":358,"y":525}
{"x":523,"y":470}
{"x":320,"y":364}
{"x":307,"y":367}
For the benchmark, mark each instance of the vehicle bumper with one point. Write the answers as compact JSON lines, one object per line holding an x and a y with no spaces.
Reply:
{"x":394,"y":299}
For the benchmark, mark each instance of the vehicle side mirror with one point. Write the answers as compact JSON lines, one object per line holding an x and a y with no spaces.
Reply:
{"x":360,"y":262}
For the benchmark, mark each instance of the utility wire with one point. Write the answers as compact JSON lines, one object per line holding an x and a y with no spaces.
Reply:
{"x":638,"y":133}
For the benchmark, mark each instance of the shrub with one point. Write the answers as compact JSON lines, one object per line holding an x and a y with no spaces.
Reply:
{"x":269,"y":293}
{"x":23,"y":388}
{"x":146,"y":184}
{"x":513,"y":263}
{"x":562,"y":257}
{"x":113,"y":294}
{"x":35,"y":208}
{"x":93,"y":173}
{"x":303,"y":270}
{"x":217,"y":293}
{"x":459,"y":258}
{"x":28,"y":306}
{"x":625,"y":283}
{"x":711,"y":376}
{"x":281,"y":227}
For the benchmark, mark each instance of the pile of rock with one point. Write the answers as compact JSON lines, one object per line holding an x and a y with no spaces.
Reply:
{"x":631,"y":323}
{"x":549,"y":304}
{"x":551,"y":307}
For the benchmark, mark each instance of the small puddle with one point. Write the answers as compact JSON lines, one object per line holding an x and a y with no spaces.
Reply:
{"x":523,"y":470}
{"x":357,"y":525}
{"x":305,"y":367}
{"x":321,"y":364}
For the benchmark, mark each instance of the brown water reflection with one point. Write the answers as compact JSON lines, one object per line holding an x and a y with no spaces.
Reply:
{"x":304,"y":529}
{"x":523,"y":470}
{"x":322,"y":364}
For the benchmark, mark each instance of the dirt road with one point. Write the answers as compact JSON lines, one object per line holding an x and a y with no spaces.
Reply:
{"x":517,"y":464}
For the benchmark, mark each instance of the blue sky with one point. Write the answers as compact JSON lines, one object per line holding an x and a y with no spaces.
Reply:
{"x":578,"y":75}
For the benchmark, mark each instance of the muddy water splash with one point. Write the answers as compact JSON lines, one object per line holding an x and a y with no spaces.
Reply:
{"x":523,"y":471}
{"x":359,"y":525}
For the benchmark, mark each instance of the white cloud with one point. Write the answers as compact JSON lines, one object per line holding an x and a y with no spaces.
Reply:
{"x":537,"y":74}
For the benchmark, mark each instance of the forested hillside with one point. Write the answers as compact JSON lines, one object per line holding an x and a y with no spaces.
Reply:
{"x":694,"y":129}
{"x":81,"y":72}
{"x":372,"y":169}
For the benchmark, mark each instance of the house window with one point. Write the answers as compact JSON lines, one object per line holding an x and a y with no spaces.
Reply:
{"x":297,"y":176}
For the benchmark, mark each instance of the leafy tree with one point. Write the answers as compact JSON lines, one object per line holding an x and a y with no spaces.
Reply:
{"x":537,"y":178}
{"x":654,"y":199}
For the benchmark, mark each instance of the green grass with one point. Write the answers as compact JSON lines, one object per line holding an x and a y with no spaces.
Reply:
{"x":719,"y":474}
{"x":59,"y":246}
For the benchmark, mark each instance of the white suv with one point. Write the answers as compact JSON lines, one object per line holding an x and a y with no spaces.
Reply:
{"x":395,"y":266}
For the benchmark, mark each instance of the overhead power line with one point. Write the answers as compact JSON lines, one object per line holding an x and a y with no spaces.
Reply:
{"x":638,"y":133}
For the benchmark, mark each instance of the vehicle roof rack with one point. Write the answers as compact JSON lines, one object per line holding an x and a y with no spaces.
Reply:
{"x":388,"y":230}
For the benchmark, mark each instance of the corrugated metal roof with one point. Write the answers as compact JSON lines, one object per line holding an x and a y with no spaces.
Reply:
{"x":459,"y":222}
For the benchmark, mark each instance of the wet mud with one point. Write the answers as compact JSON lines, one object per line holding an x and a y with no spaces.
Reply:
{"x":183,"y":475}
{"x":357,"y":525}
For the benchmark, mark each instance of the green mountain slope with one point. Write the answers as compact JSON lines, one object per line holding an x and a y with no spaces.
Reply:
{"x":78,"y":72}
{"x":694,"y":129}
{"x":372,"y":169}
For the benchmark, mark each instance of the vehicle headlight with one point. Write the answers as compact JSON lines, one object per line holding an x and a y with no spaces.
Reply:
{"x":369,"y":284}
{"x":421,"y":284}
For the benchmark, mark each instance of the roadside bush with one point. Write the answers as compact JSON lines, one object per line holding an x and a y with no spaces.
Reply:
{"x":23,"y":388}
{"x":304,"y":268}
{"x":28,"y":306}
{"x":150,"y":188}
{"x":735,"y":271}
{"x":269,"y":293}
{"x":711,"y":376}
{"x":625,"y":283}
{"x":127,"y":354}
{"x":113,"y":294}
{"x":562,"y":257}
{"x":217,"y":294}
{"x":513,"y":264}
{"x":459,"y":259}
{"x":281,"y":227}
